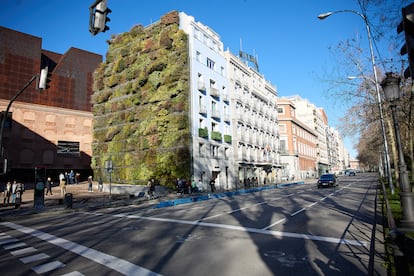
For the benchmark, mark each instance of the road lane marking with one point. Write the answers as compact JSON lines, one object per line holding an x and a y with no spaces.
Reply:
{"x":297,"y":212}
{"x":122,"y":266}
{"x":10,"y":240}
{"x":14,"y":245}
{"x":43,"y":268}
{"x":34,"y":258}
{"x":278,"y":234}
{"x":275,"y":223}
{"x":233,"y":211}
{"x":23,"y":251}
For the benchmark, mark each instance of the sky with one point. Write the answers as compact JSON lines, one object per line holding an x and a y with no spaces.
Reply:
{"x":290,"y":42}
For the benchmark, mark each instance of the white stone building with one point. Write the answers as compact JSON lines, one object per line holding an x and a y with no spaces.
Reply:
{"x":254,"y":124}
{"x":210,"y":106}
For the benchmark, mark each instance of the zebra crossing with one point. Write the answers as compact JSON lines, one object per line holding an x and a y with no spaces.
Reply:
{"x":27,"y":254}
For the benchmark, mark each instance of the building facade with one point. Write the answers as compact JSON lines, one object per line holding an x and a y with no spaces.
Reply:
{"x":254,"y":124}
{"x":298,"y":144}
{"x":49,"y":129}
{"x":210,"y":106}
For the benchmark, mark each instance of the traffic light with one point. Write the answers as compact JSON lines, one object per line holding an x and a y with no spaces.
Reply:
{"x":407,"y":25}
{"x":98,"y":17}
{"x":45,"y":78}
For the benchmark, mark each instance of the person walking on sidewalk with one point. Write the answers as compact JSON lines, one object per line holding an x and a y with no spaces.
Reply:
{"x":213,"y":185}
{"x":62,"y":184}
{"x":14,"y":187}
{"x":90,"y":184}
{"x":49,"y":184}
{"x":7,"y":193}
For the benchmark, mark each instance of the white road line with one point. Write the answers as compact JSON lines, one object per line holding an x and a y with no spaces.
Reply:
{"x":255,"y":230}
{"x":311,"y":205}
{"x":14,"y":245}
{"x":112,"y":262}
{"x":43,"y":268}
{"x":233,"y":211}
{"x":297,"y":212}
{"x":73,"y":273}
{"x":275,"y":223}
{"x":10,"y":240}
{"x":23,"y":251}
{"x":34,"y":258}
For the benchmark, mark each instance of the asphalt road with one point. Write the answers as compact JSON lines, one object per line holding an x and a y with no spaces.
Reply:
{"x":295,"y":230}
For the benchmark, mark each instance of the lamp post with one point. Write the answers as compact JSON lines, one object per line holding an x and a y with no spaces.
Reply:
{"x":392,"y":92}
{"x":109,"y":167}
{"x":377,"y":89}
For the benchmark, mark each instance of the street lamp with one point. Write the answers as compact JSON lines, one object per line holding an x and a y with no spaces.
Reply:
{"x":392,"y":92}
{"x":109,"y":167}
{"x":374,"y":69}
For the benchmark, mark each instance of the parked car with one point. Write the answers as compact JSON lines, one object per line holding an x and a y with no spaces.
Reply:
{"x":327,"y":180}
{"x":350,"y":172}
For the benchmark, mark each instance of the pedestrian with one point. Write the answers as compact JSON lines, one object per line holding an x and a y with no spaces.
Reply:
{"x":19,"y":193}
{"x":77,"y":178}
{"x":7,"y":193}
{"x":150,"y":188}
{"x":14,"y":187}
{"x":200,"y":186}
{"x":90,"y":184}
{"x":62,"y":184}
{"x":194,"y":186}
{"x":212,"y":186}
{"x":49,"y":184}
{"x":100,"y":184}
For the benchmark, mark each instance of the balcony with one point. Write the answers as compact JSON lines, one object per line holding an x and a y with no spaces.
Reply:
{"x":214,"y":92}
{"x":226,"y":117}
{"x":201,"y":86}
{"x":216,"y":136}
{"x":227,"y":138}
{"x":203,"y":133}
{"x":202,"y":109}
{"x":215,"y":114}
{"x":225,"y":97}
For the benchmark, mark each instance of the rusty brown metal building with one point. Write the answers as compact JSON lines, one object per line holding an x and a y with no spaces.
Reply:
{"x":52,"y":128}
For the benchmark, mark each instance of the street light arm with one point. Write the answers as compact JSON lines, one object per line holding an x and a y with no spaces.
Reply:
{"x":3,"y":121}
{"x":322,"y":16}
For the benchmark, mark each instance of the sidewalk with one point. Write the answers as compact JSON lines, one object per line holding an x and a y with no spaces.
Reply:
{"x":81,"y":198}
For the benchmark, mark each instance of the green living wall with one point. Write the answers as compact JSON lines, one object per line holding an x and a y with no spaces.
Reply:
{"x":140,"y":105}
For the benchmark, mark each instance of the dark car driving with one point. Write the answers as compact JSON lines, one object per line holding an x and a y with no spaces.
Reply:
{"x":327,"y":180}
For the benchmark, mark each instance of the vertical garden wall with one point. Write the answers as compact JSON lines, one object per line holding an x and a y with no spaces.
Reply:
{"x":140,"y":105}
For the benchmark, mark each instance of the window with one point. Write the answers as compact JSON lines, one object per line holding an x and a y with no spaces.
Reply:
{"x":280,"y":110}
{"x":198,"y":56}
{"x":200,"y":149}
{"x":222,"y":72}
{"x":214,"y":151}
{"x":210,"y":63}
{"x":283,"y":147}
{"x":282,"y":128}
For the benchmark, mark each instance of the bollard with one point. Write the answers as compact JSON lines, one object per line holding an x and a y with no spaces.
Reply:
{"x":68,"y":200}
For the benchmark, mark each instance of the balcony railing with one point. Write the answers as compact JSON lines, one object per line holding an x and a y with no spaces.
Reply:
{"x":201,"y":86}
{"x":215,"y":114}
{"x":214,"y":92}
{"x":202,"y":109}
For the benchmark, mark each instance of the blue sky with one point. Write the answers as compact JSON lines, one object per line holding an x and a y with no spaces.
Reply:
{"x":291,"y":44}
